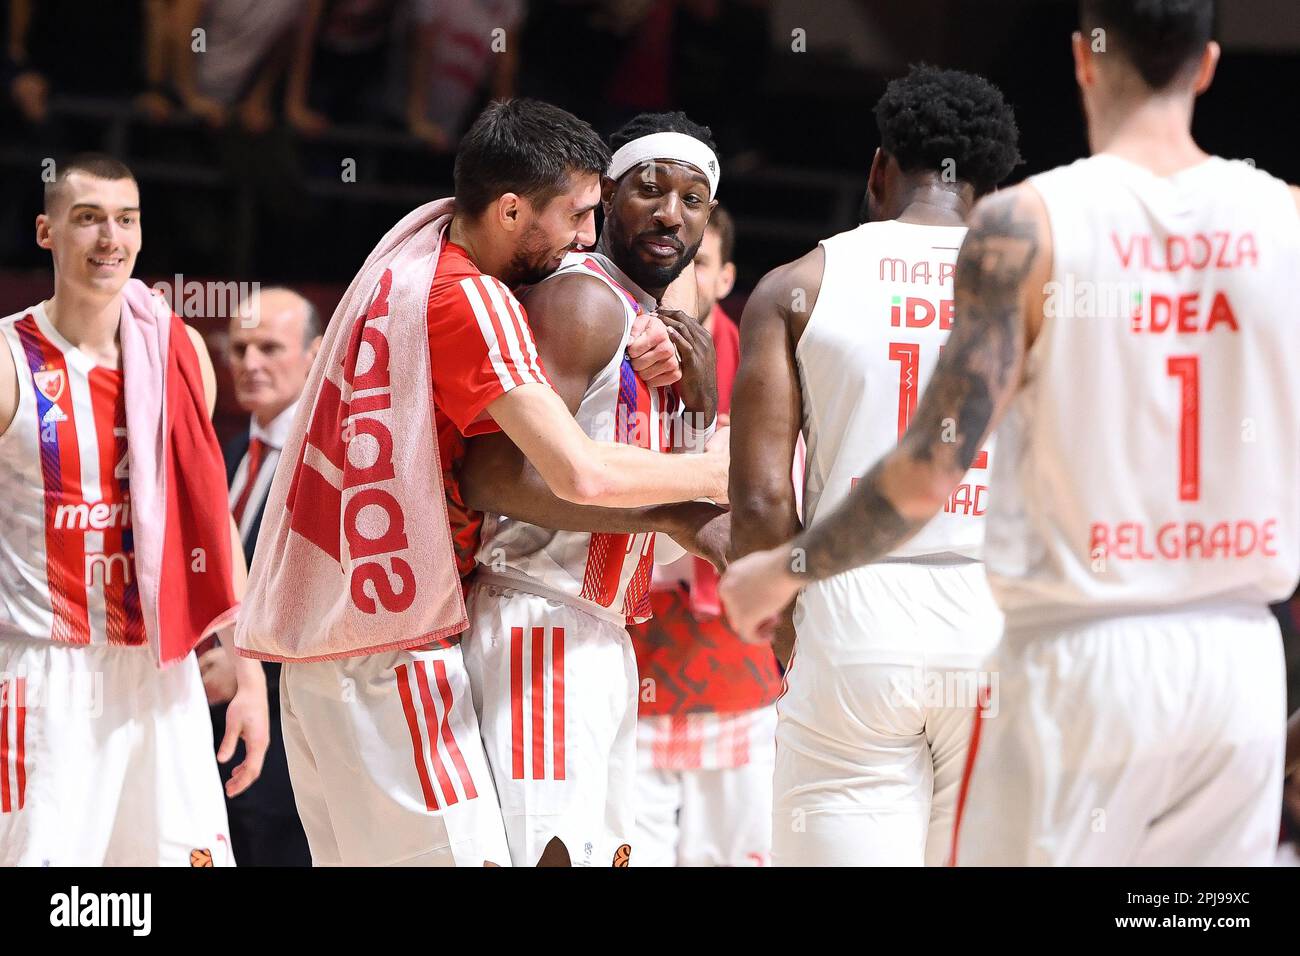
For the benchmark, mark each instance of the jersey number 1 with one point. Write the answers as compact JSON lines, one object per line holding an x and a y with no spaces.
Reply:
{"x":908,"y":357}
{"x":1187,"y":369}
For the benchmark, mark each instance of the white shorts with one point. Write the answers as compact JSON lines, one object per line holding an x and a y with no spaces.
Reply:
{"x":875,"y":721}
{"x":1133,"y":741}
{"x":386,"y":762}
{"x":718,"y":810}
{"x":556,"y":691}
{"x":106,"y":760}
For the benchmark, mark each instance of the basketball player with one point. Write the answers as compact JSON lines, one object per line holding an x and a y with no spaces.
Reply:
{"x":1128,"y":320}
{"x":104,"y":758}
{"x":395,"y":773}
{"x":552,"y":666}
{"x":839,"y":344}
{"x":705,"y":721}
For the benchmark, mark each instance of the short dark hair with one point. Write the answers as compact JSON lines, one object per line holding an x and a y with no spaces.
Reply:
{"x":99,"y":165}
{"x":720,"y":221}
{"x":526,"y":147}
{"x":644,"y":124}
{"x":932,"y":118}
{"x":1161,"y":38}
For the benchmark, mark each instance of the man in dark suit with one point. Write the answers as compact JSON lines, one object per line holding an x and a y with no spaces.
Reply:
{"x":272,"y":344}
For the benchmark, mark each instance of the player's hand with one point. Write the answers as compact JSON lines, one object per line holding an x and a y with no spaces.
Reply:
{"x":652,"y":353}
{"x":246,"y":717}
{"x":755,"y":590}
{"x":218,"y":674}
{"x":705,"y":531}
{"x":699,"y":383}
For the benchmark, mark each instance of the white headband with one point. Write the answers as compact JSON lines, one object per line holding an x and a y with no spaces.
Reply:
{"x":674,"y":146}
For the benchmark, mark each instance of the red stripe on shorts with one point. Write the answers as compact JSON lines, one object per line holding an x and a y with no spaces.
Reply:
{"x":448,"y":736}
{"x":20,"y":687}
{"x":5,"y":805}
{"x":431,"y":724}
{"x":417,"y":747}
{"x":517,"y":702}
{"x":557,"y":696}
{"x":539,"y":705}
{"x":966,"y":771}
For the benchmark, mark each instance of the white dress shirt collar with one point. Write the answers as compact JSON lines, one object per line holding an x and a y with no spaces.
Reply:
{"x":276,"y":433}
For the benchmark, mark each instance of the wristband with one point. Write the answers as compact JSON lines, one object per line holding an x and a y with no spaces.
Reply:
{"x":694,"y":439}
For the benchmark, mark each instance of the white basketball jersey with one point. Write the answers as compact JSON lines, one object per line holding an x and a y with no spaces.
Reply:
{"x":1152,"y":457}
{"x":882,"y":316}
{"x":607,"y":573}
{"x":67,"y":554}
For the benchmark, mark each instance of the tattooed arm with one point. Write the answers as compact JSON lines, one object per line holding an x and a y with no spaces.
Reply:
{"x":1001,"y":270}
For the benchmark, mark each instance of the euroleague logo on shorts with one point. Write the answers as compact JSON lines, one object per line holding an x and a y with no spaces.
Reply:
{"x":354,"y":440}
{"x":623,"y":856}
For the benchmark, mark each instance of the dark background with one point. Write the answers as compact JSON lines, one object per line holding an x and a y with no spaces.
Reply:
{"x":795,"y":129}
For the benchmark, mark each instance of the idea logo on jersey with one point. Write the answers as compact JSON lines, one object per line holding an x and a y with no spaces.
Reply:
{"x":917,"y":313}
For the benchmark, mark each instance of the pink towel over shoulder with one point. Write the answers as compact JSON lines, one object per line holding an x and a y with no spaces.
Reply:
{"x":355,"y":552}
{"x":181,"y":519}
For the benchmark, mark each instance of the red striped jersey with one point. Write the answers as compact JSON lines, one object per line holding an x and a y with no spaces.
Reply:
{"x":608,"y":573}
{"x":480,"y":347}
{"x":67,"y":555}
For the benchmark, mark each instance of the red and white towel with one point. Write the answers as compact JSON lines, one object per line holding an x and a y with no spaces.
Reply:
{"x":355,"y":554}
{"x":181,"y":521}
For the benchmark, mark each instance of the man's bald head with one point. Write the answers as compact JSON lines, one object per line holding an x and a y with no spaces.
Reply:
{"x":281,"y":300}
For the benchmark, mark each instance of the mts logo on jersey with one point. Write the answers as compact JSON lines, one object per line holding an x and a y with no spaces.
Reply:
{"x":351,"y":442}
{"x":915,"y":313}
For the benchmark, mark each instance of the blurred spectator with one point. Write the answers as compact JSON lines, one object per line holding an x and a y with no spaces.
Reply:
{"x":461,"y":47}
{"x":235,"y":65}
{"x":715,"y":39}
{"x":345,"y":64}
{"x":591,"y":38}
{"x":272,"y":344}
{"x":83,"y":47}
{"x":642,"y":80}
